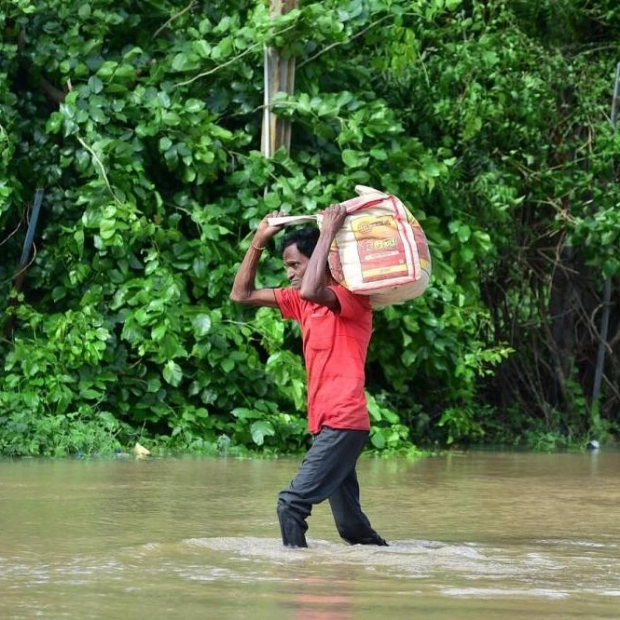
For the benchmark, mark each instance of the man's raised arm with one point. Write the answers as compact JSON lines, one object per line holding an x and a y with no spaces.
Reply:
{"x":244,"y":290}
{"x":315,"y":282}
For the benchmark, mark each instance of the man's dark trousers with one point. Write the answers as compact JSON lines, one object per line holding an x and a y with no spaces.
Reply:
{"x":327,"y":472}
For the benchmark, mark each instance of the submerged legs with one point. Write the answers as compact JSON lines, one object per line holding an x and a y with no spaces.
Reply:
{"x":327,"y":472}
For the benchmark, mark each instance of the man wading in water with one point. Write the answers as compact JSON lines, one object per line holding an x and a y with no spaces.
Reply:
{"x":336,"y":326}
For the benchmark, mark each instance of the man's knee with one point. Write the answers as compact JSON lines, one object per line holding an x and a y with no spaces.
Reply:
{"x":292,"y":503}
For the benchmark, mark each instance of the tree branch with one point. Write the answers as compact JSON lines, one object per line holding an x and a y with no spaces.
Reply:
{"x":189,"y":7}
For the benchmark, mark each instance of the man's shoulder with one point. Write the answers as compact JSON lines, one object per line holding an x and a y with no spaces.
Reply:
{"x":345,"y":295}
{"x":287,"y":293}
{"x":289,"y":302}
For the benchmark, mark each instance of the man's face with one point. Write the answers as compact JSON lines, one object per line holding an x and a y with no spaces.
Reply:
{"x":295,"y":263}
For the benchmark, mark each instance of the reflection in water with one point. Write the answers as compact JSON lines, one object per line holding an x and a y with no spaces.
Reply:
{"x":475,"y":535}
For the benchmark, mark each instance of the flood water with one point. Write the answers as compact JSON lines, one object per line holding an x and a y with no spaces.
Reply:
{"x":475,"y":535}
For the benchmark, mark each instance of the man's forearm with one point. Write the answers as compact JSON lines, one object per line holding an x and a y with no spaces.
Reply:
{"x":245,"y":278}
{"x":315,"y":284}
{"x":314,"y":278}
{"x":244,"y":289}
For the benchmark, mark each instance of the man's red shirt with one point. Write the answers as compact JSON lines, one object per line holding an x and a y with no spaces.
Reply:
{"x":334,"y":347}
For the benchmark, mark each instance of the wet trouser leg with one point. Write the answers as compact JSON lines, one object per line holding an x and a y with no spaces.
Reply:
{"x":353,"y":525}
{"x":327,"y":471}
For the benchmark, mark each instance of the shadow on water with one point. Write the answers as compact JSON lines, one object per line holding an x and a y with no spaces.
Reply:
{"x":473,"y":535}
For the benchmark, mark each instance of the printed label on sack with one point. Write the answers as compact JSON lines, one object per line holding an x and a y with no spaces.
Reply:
{"x":380,"y":248}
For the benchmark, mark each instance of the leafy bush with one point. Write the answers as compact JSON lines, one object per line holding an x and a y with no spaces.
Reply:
{"x":142,"y":124}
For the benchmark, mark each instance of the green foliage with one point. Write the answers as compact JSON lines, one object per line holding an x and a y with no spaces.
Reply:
{"x":142,"y":123}
{"x":387,"y":433}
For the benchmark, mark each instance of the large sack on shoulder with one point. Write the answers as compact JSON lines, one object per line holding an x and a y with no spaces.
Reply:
{"x":380,"y":251}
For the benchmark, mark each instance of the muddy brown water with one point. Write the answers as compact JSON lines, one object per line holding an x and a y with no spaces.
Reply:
{"x":476,"y":535}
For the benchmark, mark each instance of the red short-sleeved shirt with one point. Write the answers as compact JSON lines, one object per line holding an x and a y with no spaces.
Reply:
{"x":334,"y":346}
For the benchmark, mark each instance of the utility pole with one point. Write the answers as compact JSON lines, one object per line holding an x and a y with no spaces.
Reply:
{"x":279,"y":77}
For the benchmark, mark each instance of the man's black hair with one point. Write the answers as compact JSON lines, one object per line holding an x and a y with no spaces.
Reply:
{"x":304,"y":238}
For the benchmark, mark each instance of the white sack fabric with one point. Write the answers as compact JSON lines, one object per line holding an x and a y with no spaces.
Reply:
{"x":380,"y":251}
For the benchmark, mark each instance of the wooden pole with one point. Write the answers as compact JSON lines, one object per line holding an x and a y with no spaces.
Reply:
{"x":279,"y":77}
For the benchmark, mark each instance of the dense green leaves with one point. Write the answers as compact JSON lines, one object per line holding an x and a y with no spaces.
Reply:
{"x":142,"y":123}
